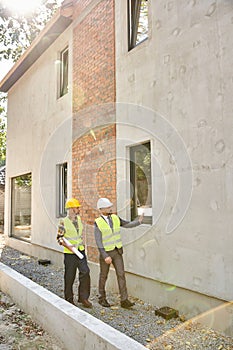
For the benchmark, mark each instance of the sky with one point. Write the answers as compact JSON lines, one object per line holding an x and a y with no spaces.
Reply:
{"x":21,"y":7}
{"x":5,"y":66}
{"x":17,"y":6}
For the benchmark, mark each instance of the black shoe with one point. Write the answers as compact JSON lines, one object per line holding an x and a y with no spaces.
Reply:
{"x":86,"y":303}
{"x":104,"y":303}
{"x":126,"y":304}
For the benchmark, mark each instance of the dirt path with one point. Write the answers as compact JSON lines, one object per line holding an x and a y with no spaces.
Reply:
{"x":17,"y":329}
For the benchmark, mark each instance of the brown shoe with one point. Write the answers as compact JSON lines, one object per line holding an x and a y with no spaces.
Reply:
{"x":126,"y":304}
{"x":86,"y":303}
{"x":103,"y":302}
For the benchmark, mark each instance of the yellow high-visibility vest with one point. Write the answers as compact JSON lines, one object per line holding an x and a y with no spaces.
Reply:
{"x":111,"y":237}
{"x":72,"y":235}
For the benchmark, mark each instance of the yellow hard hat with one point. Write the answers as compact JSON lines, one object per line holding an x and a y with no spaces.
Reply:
{"x":72,"y":203}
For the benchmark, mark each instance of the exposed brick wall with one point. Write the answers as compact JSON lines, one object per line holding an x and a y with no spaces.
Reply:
{"x":80,"y":6}
{"x":94,"y":131}
{"x":94,"y":57}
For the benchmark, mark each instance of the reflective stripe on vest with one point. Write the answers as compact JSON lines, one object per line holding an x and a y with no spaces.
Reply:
{"x":111,"y":237}
{"x":72,"y":235}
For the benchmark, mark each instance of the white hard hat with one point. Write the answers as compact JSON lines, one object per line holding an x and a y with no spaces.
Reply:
{"x":103,"y":203}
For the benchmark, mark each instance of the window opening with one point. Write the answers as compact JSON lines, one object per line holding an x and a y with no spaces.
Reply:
{"x":138,"y":22}
{"x":64,"y":72}
{"x":21,"y":207}
{"x":140,"y":179}
{"x":61,"y":189}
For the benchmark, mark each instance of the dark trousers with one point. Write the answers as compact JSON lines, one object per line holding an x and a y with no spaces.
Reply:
{"x":72,"y":263}
{"x":118,"y":263}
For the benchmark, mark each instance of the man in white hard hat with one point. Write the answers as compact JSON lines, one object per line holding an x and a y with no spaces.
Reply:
{"x":109,"y":243}
{"x":70,"y":228}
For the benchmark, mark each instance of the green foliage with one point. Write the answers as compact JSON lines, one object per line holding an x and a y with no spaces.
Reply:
{"x":142,"y":31}
{"x":143,"y":163}
{"x":24,"y":181}
{"x":17,"y":31}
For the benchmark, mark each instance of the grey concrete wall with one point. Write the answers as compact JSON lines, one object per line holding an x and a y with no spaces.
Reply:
{"x":177,"y":85}
{"x":39,"y":137}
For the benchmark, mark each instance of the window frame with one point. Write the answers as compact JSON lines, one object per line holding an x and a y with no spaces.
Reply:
{"x":133,"y":11}
{"x":12,"y":210}
{"x":61,"y":188}
{"x":64,"y":76}
{"x":148,"y":219}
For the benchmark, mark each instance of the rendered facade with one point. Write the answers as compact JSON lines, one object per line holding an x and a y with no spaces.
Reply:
{"x":135,"y":106}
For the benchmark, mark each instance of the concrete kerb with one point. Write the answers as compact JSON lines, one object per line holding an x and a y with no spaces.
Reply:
{"x":73,"y":327}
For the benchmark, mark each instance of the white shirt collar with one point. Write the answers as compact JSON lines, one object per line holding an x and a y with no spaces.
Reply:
{"x":106,"y":218}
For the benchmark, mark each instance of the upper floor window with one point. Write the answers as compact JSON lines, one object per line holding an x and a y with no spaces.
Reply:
{"x":140,"y":179}
{"x":61,"y":189}
{"x":137,"y":22}
{"x":64,"y":57}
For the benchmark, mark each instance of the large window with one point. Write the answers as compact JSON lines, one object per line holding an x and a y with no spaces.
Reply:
{"x":61,"y":189}
{"x":137,"y":22}
{"x":140,"y":179}
{"x":64,"y":57}
{"x":21,"y":207}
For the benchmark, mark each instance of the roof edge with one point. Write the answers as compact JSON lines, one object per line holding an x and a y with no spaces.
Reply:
{"x":53,"y":29}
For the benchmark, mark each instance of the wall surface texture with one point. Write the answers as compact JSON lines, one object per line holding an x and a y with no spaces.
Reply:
{"x":175,"y":89}
{"x":39,"y":137}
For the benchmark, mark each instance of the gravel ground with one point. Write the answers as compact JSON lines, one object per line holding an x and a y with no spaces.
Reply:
{"x":139,"y":323}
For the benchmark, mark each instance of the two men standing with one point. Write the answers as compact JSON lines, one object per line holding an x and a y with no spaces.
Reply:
{"x":109,"y":243}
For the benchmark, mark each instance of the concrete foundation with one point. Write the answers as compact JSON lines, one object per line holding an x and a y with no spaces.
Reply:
{"x":74,"y":328}
{"x":210,"y":311}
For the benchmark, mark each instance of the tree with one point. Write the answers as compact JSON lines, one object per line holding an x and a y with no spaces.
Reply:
{"x":18,"y":31}
{"x":16,"y":34}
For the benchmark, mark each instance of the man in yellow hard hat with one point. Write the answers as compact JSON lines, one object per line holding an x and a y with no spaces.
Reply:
{"x":109,"y":243}
{"x":70,"y":236}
